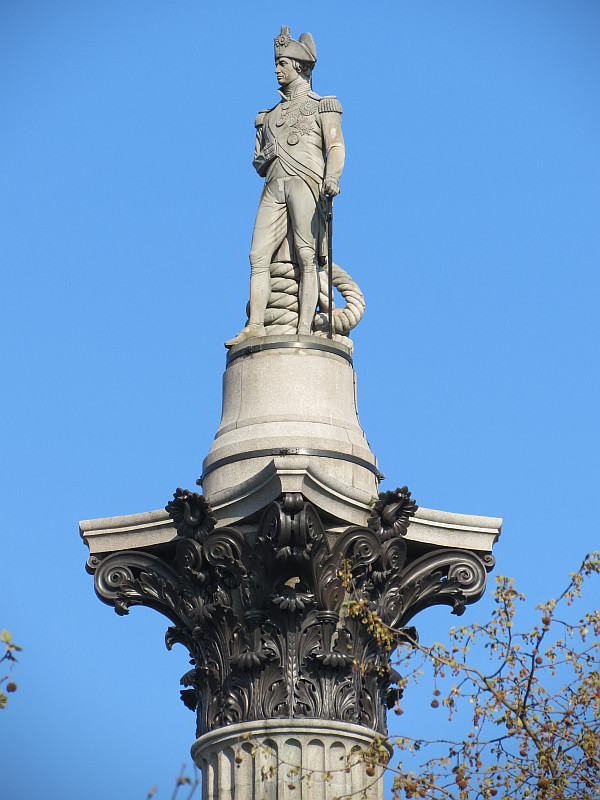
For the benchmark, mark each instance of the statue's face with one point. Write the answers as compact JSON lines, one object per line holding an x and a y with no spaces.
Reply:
{"x":285,"y":71}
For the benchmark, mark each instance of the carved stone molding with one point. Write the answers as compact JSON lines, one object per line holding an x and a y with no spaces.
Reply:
{"x":263,"y":614}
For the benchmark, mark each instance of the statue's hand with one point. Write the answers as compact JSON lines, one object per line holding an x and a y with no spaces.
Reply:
{"x":331,"y":187}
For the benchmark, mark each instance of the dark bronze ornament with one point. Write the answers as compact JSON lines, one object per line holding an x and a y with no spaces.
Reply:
{"x":392,"y":512}
{"x":264,"y":618}
{"x":191,"y":514}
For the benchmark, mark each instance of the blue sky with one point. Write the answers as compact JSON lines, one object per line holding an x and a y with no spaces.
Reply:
{"x":468,"y":215}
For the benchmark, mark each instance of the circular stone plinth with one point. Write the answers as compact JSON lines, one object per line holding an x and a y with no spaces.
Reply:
{"x":289,"y":395}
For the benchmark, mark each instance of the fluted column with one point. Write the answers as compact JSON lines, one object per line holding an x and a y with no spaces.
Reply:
{"x":290,"y":760}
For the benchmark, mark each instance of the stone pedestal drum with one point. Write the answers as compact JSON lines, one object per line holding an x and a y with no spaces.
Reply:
{"x":289,"y":689}
{"x":291,"y":399}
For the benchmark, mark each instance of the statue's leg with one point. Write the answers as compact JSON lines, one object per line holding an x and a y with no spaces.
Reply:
{"x":303,"y":216}
{"x":270,"y":229}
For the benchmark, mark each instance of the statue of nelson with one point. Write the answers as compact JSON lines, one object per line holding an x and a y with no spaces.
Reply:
{"x":300,"y":153}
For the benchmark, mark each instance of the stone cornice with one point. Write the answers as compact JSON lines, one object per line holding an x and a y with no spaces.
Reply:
{"x":427,"y":527}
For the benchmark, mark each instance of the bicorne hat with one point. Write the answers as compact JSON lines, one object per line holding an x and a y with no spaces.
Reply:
{"x":303,"y":50}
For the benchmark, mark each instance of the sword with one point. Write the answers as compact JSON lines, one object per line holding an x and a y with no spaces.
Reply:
{"x":330,"y":262}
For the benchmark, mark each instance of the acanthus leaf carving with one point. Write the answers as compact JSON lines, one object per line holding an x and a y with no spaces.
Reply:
{"x":263,"y":616}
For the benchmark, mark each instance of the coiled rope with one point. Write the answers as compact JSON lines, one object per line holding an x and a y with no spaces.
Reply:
{"x":281,"y":316}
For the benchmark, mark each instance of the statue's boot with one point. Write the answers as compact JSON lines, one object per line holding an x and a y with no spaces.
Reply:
{"x":252,"y":330}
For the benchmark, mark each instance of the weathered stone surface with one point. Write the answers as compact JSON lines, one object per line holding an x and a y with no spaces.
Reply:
{"x":343,"y":503}
{"x":290,"y":760}
{"x":128,"y":532}
{"x":289,"y":393}
{"x":446,"y":529}
{"x":428,"y":527}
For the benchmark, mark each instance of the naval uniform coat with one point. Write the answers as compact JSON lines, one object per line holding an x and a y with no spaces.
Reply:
{"x":299,"y":144}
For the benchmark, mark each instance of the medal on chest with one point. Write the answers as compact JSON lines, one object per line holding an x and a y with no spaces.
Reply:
{"x":299,"y":118}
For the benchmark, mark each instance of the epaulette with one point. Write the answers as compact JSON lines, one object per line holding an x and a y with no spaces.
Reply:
{"x":314,"y":95}
{"x":260,"y":119}
{"x":330,"y":103}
